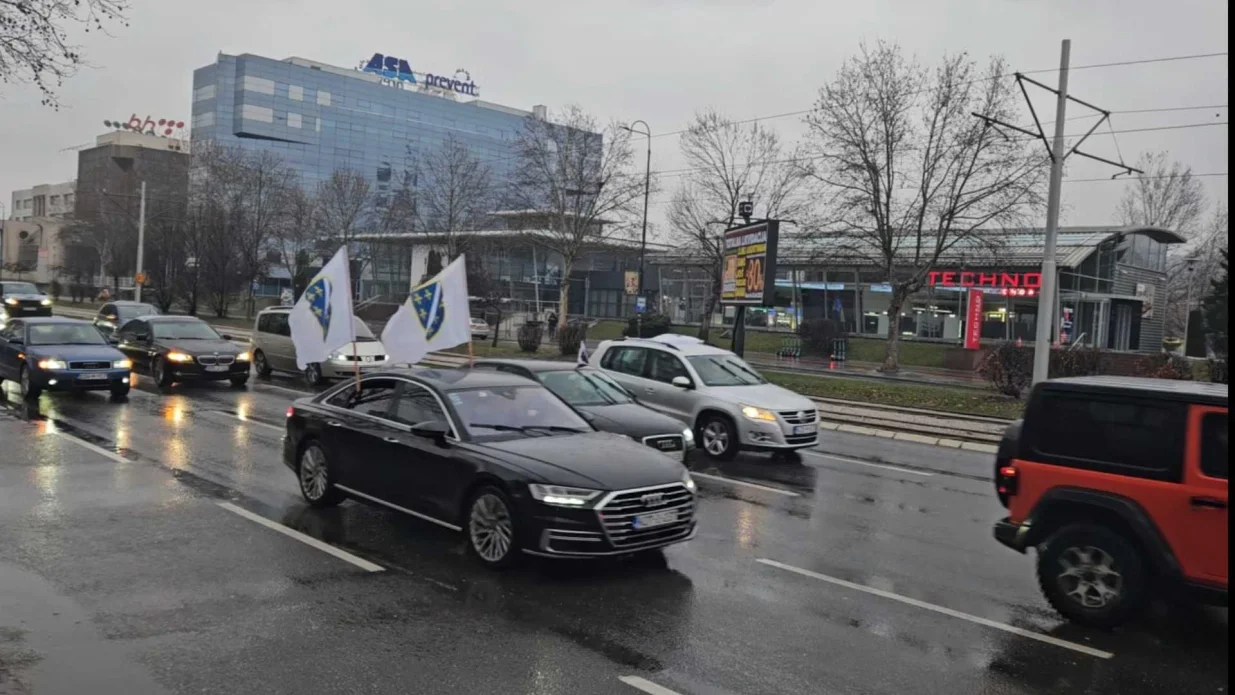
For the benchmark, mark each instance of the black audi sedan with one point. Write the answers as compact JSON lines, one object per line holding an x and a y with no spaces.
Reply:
{"x":182,"y":348}
{"x":22,"y":299}
{"x":58,"y":354}
{"x":608,"y":406}
{"x":492,"y":455}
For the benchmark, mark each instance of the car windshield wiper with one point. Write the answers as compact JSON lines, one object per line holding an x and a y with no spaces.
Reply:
{"x":524,"y":428}
{"x":600,"y":388}
{"x":758,"y":379}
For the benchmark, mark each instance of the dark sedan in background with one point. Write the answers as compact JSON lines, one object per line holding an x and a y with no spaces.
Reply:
{"x":115,"y":314}
{"x":57,"y":354}
{"x":22,"y":299}
{"x":182,"y":348}
{"x":608,"y":406}
{"x":493,"y":455}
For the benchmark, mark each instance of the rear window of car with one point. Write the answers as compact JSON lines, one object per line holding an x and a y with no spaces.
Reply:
{"x":1214,"y":449}
{"x":1128,"y":436}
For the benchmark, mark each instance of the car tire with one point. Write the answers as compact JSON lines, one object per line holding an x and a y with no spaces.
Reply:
{"x":316,"y":477}
{"x":1092,"y":575}
{"x":120,"y":392}
{"x":261,"y":365}
{"x":158,"y":370}
{"x":313,"y":375}
{"x":490,"y":528}
{"x":239,"y":382}
{"x":718,"y":437}
{"x":29,"y":390}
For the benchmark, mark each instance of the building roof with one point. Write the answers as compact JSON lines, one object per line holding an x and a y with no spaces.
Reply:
{"x":1005,"y":247}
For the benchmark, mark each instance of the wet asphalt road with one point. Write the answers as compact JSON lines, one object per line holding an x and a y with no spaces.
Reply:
{"x":867,"y":567}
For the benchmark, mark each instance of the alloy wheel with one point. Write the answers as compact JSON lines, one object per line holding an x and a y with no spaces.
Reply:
{"x":313,"y":473}
{"x":491,"y":528}
{"x":715,"y":438}
{"x":25,"y":382}
{"x":313,"y":375}
{"x":259,"y":364}
{"x":1089,"y":576}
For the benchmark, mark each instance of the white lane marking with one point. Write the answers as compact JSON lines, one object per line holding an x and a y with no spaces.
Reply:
{"x":743,"y":483}
{"x":871,"y":464}
{"x":245,"y":420}
{"x":307,"y":540}
{"x":92,"y":447}
{"x":646,"y":686}
{"x":397,"y":508}
{"x":941,"y":609}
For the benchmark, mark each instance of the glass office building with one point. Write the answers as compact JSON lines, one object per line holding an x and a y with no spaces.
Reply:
{"x":320,"y":118}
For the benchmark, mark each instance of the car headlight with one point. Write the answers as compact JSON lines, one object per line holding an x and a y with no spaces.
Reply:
{"x":179,"y":357}
{"x":754,"y":413}
{"x":10,"y":301}
{"x":53,"y":363}
{"x":122,"y":364}
{"x":46,"y":302}
{"x":688,"y":481}
{"x":560,"y":496}
{"x":688,"y":436}
{"x":242,"y":357}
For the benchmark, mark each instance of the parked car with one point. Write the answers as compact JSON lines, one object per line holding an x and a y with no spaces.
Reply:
{"x":724,"y":400}
{"x":272,"y":348}
{"x":59,"y":354}
{"x":115,"y":314}
{"x":182,"y":348}
{"x":22,"y":299}
{"x":1121,"y":486}
{"x":493,"y":455}
{"x":480,"y":329}
{"x":608,"y":406}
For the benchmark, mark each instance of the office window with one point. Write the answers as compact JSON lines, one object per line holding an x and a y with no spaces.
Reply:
{"x":203,"y":93}
{"x":202,"y":120}
{"x":68,"y":198}
{"x":295,"y":92}
{"x":318,"y":126}
{"x":257,"y":113}
{"x":323,"y":98}
{"x":55,"y":200}
{"x":260,"y":85}
{"x":293,"y":120}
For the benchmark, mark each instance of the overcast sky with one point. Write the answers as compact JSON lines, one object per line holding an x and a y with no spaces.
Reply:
{"x":658,"y":61}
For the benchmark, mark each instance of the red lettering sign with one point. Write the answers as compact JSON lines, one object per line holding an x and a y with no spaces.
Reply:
{"x":973,"y":321}
{"x":947,"y":278}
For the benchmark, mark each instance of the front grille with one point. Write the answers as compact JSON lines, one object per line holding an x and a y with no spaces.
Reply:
{"x":801,"y":438}
{"x":617,"y":515}
{"x":364,"y":358}
{"x":89,"y":365}
{"x":799,"y":417}
{"x":665,"y":442}
{"x":210,"y":360}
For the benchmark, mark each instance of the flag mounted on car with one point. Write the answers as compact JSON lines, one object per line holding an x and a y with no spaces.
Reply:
{"x":583,"y":356}
{"x":321,"y":321}
{"x":434,"y":317}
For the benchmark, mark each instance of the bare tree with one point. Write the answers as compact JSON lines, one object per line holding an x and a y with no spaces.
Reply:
{"x":1192,"y":268}
{"x":729,"y":163}
{"x":344,"y":205}
{"x":576,"y":179}
{"x":456,"y":194}
{"x":908,"y":172}
{"x":34,"y":41}
{"x":1167,"y":195}
{"x":265,"y":182}
{"x":295,"y":236}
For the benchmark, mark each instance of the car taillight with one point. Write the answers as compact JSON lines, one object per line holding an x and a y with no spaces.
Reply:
{"x":291,"y":410}
{"x":1008,"y":481}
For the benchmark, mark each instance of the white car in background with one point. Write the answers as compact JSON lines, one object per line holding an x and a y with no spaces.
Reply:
{"x":727,"y":403}
{"x":480,"y":329}
{"x":272,"y":349}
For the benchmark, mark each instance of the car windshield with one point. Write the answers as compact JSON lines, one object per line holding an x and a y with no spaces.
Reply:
{"x":584,"y":387}
{"x":184,"y":330}
{"x":19,"y":288}
{"x":724,"y":370}
{"x":515,"y":411}
{"x":132,"y":311}
{"x":64,"y":334}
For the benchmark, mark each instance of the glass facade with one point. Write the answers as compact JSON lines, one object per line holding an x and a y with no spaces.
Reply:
{"x":320,"y":119}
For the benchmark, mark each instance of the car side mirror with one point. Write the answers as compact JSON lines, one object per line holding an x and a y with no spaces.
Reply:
{"x":16,"y":341}
{"x":142,"y":337}
{"x":433,"y":429}
{"x":111,"y":317}
{"x":682,"y":382}
{"x":113,"y":340}
{"x":227,"y":336}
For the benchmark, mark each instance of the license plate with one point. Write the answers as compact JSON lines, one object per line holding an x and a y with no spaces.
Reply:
{"x":804,"y":429}
{"x":216,"y":368}
{"x":367,"y":358}
{"x":30,"y":308}
{"x":92,"y":376}
{"x":655,"y":519}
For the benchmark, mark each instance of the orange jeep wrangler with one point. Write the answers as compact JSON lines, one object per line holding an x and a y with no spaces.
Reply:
{"x":1121,"y":486}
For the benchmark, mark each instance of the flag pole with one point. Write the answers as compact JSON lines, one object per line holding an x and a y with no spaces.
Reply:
{"x":352,"y":323}
{"x":471,"y":353}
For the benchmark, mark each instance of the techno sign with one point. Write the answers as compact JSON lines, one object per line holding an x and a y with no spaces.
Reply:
{"x":973,"y":321}
{"x":750,"y":264}
{"x":397,"y":71}
{"x":965,"y":278}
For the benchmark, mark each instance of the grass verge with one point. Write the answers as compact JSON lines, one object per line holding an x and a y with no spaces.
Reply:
{"x":906,"y":395}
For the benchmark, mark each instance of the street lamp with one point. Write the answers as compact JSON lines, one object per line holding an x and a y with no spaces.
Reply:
{"x":647,"y":189}
{"x":1190,"y":267}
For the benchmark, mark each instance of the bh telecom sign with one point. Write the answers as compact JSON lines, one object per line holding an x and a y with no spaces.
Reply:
{"x":397,"y":70}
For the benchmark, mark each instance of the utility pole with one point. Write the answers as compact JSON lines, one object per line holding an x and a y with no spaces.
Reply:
{"x":1048,"y":294}
{"x":141,"y":243}
{"x":643,"y":242}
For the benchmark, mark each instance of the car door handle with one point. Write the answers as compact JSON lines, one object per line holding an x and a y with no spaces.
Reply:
{"x":391,"y":440}
{"x":334,"y":423}
{"x":1207,"y":503}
